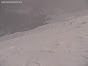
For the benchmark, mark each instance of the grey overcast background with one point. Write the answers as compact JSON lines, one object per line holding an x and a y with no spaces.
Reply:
{"x":33,"y":13}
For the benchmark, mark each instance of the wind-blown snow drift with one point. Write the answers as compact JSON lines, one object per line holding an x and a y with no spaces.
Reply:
{"x":56,"y":44}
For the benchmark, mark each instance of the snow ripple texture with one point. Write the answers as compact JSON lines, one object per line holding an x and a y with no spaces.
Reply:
{"x":63,"y":43}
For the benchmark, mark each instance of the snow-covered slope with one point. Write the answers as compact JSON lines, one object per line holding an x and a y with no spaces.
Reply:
{"x":56,"y":44}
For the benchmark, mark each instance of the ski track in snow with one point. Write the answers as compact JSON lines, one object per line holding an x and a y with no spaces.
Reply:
{"x":54,"y":44}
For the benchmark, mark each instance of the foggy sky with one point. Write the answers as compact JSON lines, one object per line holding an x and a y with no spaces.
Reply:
{"x":15,"y":16}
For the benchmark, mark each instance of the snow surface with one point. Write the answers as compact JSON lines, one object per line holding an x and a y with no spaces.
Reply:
{"x":63,"y":43}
